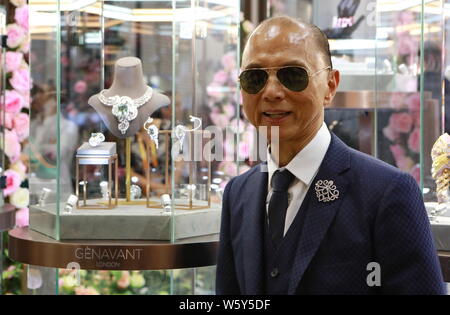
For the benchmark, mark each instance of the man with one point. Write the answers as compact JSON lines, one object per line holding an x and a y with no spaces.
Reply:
{"x":324,"y":219}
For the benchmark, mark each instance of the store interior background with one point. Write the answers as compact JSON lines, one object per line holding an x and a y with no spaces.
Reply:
{"x":392,"y":102}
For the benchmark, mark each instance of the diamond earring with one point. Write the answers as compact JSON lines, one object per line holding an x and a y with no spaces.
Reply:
{"x":152,"y":131}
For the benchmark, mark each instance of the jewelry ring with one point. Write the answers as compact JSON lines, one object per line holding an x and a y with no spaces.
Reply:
{"x":96,"y":139}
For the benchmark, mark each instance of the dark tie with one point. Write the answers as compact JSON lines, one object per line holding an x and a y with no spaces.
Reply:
{"x":278,"y":204}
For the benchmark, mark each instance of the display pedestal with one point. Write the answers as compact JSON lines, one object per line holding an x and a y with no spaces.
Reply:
{"x":30,"y":247}
{"x":126,"y":222}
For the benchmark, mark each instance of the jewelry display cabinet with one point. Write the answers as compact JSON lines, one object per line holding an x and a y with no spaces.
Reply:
{"x":121,"y":91}
{"x":393,"y":98}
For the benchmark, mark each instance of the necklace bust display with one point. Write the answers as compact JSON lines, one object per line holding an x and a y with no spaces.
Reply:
{"x":127,"y":104}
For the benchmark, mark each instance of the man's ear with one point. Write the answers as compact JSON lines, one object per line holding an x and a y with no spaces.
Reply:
{"x":333,"y":82}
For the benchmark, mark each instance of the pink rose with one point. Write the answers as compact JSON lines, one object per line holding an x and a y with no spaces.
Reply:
{"x":415,"y":172}
{"x":220,"y":77}
{"x":16,"y":35}
{"x":414,"y":140}
{"x":25,"y":47}
{"x":397,"y":151}
{"x":243,"y":150}
{"x":229,"y":110}
{"x":396,"y":100}
{"x":21,"y":80}
{"x":389,"y":133}
{"x":22,"y":217}
{"x":13,"y":182}
{"x":80,"y":87}
{"x":9,"y":120}
{"x":413,"y":102}
{"x":14,"y":102}
{"x":400,"y":122}
{"x":21,"y":17}
{"x":13,"y":61}
{"x":22,"y":126}
{"x":124,"y":281}
{"x":12,"y":149}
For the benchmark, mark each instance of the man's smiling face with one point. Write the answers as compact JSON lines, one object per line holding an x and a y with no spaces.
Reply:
{"x":298,"y":114}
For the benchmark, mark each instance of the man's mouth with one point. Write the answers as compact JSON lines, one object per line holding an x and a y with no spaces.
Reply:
{"x":275,"y":115}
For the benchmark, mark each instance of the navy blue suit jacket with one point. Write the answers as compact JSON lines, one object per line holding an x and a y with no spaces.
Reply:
{"x":379,"y":217}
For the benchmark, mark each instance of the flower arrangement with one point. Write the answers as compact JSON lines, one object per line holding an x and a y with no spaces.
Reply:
{"x":16,"y":111}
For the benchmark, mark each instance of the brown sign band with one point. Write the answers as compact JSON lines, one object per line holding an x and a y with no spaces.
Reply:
{"x":33,"y":248}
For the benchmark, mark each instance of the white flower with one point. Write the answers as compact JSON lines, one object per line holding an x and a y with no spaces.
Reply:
{"x":20,"y":198}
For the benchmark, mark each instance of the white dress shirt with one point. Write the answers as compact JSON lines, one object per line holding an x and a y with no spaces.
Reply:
{"x":304,"y":166}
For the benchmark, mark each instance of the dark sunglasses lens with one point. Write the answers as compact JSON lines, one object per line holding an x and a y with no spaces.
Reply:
{"x":253,"y":81}
{"x":294,"y":78}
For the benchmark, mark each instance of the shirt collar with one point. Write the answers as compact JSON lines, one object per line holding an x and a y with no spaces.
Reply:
{"x":307,"y":162}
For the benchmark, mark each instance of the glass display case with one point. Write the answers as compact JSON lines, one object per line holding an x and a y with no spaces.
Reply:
{"x":123,"y":107}
{"x":393,"y":60}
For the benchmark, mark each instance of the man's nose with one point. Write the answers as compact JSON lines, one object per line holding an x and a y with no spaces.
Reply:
{"x":273,"y":91}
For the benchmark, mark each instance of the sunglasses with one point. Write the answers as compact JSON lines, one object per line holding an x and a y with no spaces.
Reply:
{"x":294,"y":78}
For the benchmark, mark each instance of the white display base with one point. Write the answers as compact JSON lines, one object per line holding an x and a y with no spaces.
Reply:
{"x":125,"y":222}
{"x":440,"y":227}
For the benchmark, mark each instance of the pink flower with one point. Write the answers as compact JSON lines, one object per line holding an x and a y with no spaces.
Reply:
{"x":22,"y":126}
{"x":415,"y":172}
{"x":413,"y":102}
{"x":396,"y":100}
{"x":21,"y":80}
{"x":220,"y":77}
{"x":400,"y":122}
{"x":14,"y":102}
{"x":21,"y":17}
{"x":124,"y":281}
{"x":13,"y":182}
{"x":13,"y":61}
{"x":244,"y":150}
{"x":80,"y":87}
{"x":25,"y":47}
{"x":397,"y":151}
{"x":389,"y":133}
{"x":229,"y":110}
{"x":22,"y":217}
{"x":9,"y":120}
{"x":414,"y":140}
{"x":12,"y":149}
{"x":16,"y":35}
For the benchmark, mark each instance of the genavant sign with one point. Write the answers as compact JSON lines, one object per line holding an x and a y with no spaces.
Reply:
{"x":107,"y":257}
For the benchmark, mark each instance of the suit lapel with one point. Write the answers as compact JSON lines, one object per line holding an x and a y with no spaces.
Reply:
{"x":256,"y":190}
{"x":320,"y":215}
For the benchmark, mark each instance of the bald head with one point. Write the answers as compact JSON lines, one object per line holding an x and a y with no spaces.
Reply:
{"x":298,"y":30}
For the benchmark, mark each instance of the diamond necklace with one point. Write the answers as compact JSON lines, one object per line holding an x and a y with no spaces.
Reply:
{"x":124,"y":108}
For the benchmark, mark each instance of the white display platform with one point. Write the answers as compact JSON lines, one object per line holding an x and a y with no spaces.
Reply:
{"x":126,"y":222}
